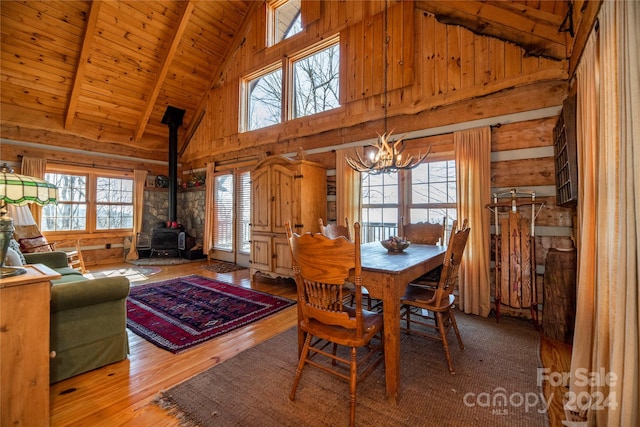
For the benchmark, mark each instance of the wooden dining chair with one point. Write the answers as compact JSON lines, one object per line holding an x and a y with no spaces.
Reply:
{"x":433,"y":308}
{"x":425,"y":233}
{"x":428,"y":234}
{"x":321,"y":267}
{"x":333,"y":230}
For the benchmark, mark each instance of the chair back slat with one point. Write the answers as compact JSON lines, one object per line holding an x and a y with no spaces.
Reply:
{"x":425,"y":233}
{"x":333,"y":231}
{"x":321,"y":267}
{"x":452,"y":260}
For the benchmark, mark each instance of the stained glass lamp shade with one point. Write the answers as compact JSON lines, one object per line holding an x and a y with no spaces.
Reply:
{"x":19,"y":190}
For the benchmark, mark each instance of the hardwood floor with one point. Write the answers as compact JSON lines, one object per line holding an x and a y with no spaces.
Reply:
{"x":121,"y":394}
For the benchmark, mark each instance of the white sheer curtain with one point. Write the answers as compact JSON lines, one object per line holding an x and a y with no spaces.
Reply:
{"x":473,"y":167}
{"x":606,"y":338}
{"x":139,"y":179}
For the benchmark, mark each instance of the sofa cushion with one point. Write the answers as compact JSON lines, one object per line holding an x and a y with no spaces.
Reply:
{"x":68,"y":278}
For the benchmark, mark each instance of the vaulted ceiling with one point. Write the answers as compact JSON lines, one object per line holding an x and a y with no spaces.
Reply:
{"x":103,"y":72}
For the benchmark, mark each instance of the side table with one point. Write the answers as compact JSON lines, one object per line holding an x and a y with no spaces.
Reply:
{"x":24,"y":347}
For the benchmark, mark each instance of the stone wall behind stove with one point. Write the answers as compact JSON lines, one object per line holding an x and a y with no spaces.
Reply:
{"x":190,"y":212}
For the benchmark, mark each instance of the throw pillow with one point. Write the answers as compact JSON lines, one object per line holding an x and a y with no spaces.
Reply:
{"x":12,"y":258}
{"x":34,"y":244}
{"x":13,"y":244}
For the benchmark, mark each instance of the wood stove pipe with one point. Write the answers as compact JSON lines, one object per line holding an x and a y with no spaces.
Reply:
{"x":173,"y":118}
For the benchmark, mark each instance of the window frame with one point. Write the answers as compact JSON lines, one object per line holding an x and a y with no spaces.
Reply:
{"x":91,"y":202}
{"x":245,"y":93}
{"x":289,"y":81}
{"x":287,"y":95}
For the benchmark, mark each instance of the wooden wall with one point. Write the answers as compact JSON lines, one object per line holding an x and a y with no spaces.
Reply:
{"x":433,"y":66}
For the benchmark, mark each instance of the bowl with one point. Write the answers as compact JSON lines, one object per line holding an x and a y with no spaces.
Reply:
{"x":395,"y":244}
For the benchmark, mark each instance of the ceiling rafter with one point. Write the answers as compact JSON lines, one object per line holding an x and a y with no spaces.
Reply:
{"x":164,"y":69}
{"x":82,"y":62}
{"x":217,"y":75}
{"x":537,"y":36}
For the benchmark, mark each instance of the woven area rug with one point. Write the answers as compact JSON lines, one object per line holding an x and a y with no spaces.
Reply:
{"x":177,"y":314}
{"x":495,"y":384}
{"x":222,"y":267}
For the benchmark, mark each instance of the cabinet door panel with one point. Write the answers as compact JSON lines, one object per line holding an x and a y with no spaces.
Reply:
{"x":283,"y":192}
{"x":261,"y":258}
{"x":282,"y":260}
{"x":261,"y":200}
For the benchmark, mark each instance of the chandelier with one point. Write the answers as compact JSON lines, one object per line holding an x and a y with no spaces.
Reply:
{"x":385,"y":155}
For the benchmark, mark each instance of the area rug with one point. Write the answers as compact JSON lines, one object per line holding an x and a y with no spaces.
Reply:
{"x":134,"y":274}
{"x":495,"y":384}
{"x":222,"y":267}
{"x":179,"y":313}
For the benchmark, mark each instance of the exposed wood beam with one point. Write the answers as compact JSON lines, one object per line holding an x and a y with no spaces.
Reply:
{"x":217,"y":75}
{"x":164,"y":69}
{"x":585,"y":19}
{"x":89,"y":32}
{"x":535,"y":33}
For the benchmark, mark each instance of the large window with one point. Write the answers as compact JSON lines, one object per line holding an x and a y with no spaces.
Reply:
{"x":316,"y":82}
{"x":311,"y":87}
{"x":114,"y":203}
{"x":264,"y":100}
{"x":426,"y":193}
{"x":70,"y":214}
{"x":89,"y":201}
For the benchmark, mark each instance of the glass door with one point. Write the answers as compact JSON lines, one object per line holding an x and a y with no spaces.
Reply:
{"x":232,"y":207}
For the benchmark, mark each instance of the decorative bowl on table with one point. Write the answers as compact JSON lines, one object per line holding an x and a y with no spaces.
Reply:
{"x":395,"y":244}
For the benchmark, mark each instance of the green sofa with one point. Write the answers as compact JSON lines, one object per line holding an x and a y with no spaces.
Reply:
{"x":88,"y":318}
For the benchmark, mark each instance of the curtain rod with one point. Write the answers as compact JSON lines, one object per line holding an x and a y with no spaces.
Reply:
{"x":86,"y":165}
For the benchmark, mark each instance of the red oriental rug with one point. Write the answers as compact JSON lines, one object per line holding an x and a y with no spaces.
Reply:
{"x":179,"y":313}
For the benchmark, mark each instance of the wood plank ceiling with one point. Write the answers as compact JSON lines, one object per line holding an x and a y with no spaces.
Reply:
{"x":103,"y":72}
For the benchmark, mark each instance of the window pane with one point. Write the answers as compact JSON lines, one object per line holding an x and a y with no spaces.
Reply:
{"x":287,"y":20}
{"x":244,"y":212}
{"x":380,"y":197}
{"x":114,"y":208}
{"x":316,"y":82}
{"x":264,"y":100}
{"x":223,"y":232}
{"x":70,"y":214}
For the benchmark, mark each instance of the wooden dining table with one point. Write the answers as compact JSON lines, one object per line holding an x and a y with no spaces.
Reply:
{"x":386,"y":276}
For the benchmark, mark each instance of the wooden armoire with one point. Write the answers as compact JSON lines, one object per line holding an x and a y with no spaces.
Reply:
{"x":283,"y":189}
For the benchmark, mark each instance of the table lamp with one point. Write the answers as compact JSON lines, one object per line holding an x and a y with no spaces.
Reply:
{"x":19,"y":190}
